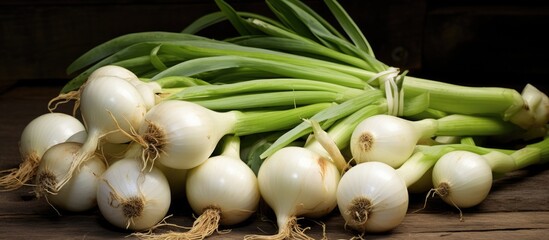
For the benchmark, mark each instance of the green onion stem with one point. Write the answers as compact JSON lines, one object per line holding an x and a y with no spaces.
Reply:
{"x":466,"y":100}
{"x":536,"y":153}
{"x":470,"y":125}
{"x":199,"y":65}
{"x":262,"y":85}
{"x":230,"y":146}
{"x":416,"y":166}
{"x":250,"y":122}
{"x":198,"y":49}
{"x":270,"y":99}
{"x":180,"y":82}
{"x":462,"y":125}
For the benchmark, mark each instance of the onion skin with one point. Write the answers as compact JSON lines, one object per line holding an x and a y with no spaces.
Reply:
{"x":295,"y":181}
{"x":78,"y":194}
{"x":131,"y":199}
{"x":463,"y":179}
{"x":107,"y":99}
{"x":226,"y":183}
{"x":383,"y":138}
{"x":374,"y":191}
{"x":182,"y":135}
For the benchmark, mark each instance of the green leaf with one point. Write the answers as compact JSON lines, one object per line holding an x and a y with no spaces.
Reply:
{"x":238,"y":23}
{"x":205,"y":64}
{"x":289,"y":19}
{"x":204,"y":22}
{"x":117,"y":44}
{"x":155,"y":59}
{"x":349,"y":26}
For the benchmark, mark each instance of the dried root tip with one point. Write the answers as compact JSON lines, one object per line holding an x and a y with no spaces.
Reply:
{"x":292,"y":230}
{"x":18,"y":177}
{"x":359,"y":211}
{"x":46,"y":182}
{"x":153,"y":142}
{"x":132,"y":208}
{"x":205,"y":225}
{"x":149,"y":152}
{"x":443,"y":190}
{"x":65,"y":98}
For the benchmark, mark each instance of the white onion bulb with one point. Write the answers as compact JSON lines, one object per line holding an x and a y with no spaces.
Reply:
{"x":226,"y":183}
{"x":182,"y":135}
{"x":372,"y":197}
{"x":388,"y":139}
{"x":79,"y":194}
{"x":222,"y":191}
{"x":38,"y":136}
{"x":147,"y":90}
{"x":131,"y":199}
{"x":106,"y":99}
{"x":463,"y":179}
{"x":295,"y":182}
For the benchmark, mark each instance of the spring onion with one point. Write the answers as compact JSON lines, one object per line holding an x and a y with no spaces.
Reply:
{"x":374,"y":138}
{"x":129,"y":198}
{"x":308,"y":182}
{"x":38,"y":136}
{"x":183,"y":135}
{"x":372,"y":197}
{"x":79,"y":193}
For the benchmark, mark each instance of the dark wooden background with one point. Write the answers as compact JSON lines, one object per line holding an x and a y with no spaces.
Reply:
{"x":482,"y":42}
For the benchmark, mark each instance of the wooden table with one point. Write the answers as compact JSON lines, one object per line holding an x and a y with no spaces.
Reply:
{"x":517,"y":208}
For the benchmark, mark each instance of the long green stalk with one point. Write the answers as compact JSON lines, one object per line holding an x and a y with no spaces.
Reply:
{"x":466,"y":100}
{"x":271,"y":99}
{"x":199,"y":65}
{"x":260,"y":86}
{"x":250,"y":122}
{"x":196,"y":49}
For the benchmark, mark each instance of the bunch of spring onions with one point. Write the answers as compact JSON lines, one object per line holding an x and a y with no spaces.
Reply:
{"x":323,"y":124}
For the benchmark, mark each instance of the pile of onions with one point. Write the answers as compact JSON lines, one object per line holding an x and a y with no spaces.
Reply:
{"x":150,"y":131}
